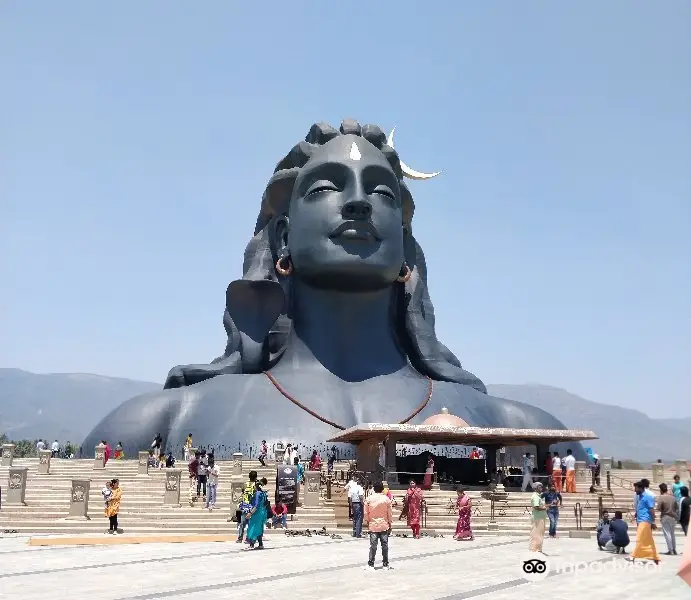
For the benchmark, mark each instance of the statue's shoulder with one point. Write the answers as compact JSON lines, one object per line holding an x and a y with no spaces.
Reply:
{"x":137,"y":420}
{"x":483,"y":410}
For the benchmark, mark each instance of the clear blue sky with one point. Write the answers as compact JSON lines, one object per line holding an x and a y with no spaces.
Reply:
{"x":137,"y":138}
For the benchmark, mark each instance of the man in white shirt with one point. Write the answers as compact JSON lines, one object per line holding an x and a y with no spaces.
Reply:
{"x":41,"y":445}
{"x":289,"y":456}
{"x":556,"y":471}
{"x":356,"y":498}
{"x":570,"y":463}
{"x":55,"y":449}
{"x":527,"y":471}
{"x":213,"y":471}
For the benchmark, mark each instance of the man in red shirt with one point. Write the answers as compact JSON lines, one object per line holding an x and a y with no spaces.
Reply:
{"x":279,"y":514}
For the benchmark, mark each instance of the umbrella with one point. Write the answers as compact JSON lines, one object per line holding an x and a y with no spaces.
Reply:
{"x":685,"y":568}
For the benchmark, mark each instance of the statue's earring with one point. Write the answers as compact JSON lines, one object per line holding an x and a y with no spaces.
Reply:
{"x":405,"y":273}
{"x":284,"y":266}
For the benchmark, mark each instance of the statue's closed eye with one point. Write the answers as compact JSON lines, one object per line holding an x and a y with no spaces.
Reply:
{"x":321,"y":186}
{"x":384,"y":190}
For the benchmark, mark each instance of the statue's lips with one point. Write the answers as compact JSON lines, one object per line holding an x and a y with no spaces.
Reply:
{"x":354,"y":230}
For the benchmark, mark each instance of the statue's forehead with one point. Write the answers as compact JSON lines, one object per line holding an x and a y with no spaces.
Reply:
{"x":352,"y":150}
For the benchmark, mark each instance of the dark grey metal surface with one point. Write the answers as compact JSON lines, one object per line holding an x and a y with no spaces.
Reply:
{"x":341,"y":334}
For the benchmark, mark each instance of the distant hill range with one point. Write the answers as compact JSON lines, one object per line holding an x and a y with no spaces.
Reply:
{"x":67,"y":405}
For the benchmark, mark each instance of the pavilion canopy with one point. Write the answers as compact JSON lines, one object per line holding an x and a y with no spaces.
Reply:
{"x":471,"y":436}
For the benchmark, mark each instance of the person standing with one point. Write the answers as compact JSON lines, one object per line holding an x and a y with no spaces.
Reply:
{"x":596,"y":471}
{"x":113,"y":506}
{"x":667,"y":505}
{"x":246,"y":504}
{"x":676,"y":492}
{"x":55,"y":449}
{"x":527,"y":471}
{"x":192,"y":467}
{"x":213,"y":471}
{"x":356,"y":497}
{"x":553,"y":501}
{"x":556,"y":471}
{"x":156,"y":445}
{"x":429,"y":474}
{"x":685,"y":509}
{"x":188,"y":448}
{"x":464,"y":507}
{"x":412,"y":508}
{"x":257,"y":516}
{"x":315,"y":461}
{"x":570,"y":463}
{"x":289,"y":456}
{"x":263,"y":453}
{"x":645,"y":519}
{"x":538,"y":516}
{"x":379,"y":522}
{"x":202,"y":474}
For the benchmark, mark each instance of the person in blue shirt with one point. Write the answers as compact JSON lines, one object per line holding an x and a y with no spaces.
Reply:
{"x":645,"y":518}
{"x":553,"y":501}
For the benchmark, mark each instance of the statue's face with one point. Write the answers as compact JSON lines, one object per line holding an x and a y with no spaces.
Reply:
{"x":345,"y":220}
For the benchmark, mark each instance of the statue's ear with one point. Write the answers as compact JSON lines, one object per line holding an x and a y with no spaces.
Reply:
{"x":254,"y":307}
{"x":279,"y":234}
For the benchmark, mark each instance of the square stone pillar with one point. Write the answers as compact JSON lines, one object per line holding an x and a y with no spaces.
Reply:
{"x":16,"y":485}
{"x":100,"y":457}
{"x":682,"y":469}
{"x":237,"y":464}
{"x":583,"y":474}
{"x":79,"y":499}
{"x":44,"y":462}
{"x":237,"y":486}
{"x":658,"y":473}
{"x":172,"y":493}
{"x":279,"y":453}
{"x":312,"y":485}
{"x":605,"y":464}
{"x":7,"y":455}
{"x":143,"y":462}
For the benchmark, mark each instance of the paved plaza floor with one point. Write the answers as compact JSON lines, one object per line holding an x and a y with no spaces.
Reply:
{"x":324,"y":568}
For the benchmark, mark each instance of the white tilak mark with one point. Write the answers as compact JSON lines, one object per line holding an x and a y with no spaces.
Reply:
{"x":355,"y":152}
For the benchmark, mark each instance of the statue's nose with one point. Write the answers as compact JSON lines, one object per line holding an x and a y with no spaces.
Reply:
{"x":357,"y":210}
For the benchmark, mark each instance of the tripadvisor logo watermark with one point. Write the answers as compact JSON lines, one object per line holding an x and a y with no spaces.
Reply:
{"x":536,"y":567}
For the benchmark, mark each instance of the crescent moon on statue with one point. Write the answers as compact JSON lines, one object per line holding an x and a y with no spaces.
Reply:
{"x":407,"y":171}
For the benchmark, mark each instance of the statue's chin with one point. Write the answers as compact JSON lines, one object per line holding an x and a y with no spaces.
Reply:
{"x":347,"y":279}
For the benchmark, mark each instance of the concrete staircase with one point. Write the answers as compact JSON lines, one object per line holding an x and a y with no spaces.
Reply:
{"x":142,"y":510}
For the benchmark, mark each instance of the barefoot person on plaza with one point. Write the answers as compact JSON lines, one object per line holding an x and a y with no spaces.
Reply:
{"x":645,"y":519}
{"x":539,"y":516}
{"x":113,"y":506}
{"x":379,"y":521}
{"x":464,"y":507}
{"x":412,"y":508}
{"x":257,"y":516}
{"x":246,"y":504}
